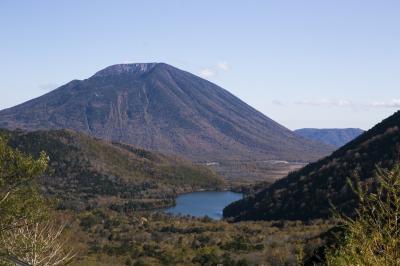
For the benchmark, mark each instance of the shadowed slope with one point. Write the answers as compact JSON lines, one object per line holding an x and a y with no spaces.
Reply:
{"x":307,"y":193}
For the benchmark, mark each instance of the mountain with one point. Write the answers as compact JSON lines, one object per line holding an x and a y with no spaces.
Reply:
{"x":158,"y":107}
{"x":85,"y":172}
{"x":307,"y":193}
{"x":336,"y":137}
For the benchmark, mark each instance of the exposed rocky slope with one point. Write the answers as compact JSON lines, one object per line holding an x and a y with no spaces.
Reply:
{"x":158,"y":107}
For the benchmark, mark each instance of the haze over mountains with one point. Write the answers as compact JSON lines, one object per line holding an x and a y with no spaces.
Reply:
{"x":159,"y":107}
{"x":309,"y":192}
{"x":336,"y":137}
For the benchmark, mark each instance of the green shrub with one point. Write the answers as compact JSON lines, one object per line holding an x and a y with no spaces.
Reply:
{"x":372,"y":237}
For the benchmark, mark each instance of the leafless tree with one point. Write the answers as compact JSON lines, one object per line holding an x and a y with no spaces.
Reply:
{"x":38,"y":244}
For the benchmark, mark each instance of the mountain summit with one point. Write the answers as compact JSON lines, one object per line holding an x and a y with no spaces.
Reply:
{"x":132,"y":69}
{"x":159,"y":107}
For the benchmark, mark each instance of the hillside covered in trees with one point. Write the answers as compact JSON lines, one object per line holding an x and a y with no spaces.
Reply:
{"x":33,"y":232}
{"x":310,"y":192}
{"x":86,"y":172}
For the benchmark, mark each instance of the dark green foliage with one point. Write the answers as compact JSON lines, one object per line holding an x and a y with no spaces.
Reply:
{"x":19,"y":198}
{"x":27,"y":232}
{"x":372,"y":236}
{"x":309,"y":192}
{"x":207,"y":256}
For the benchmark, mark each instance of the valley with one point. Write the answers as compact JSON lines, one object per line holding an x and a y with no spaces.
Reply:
{"x":250,"y":172}
{"x":199,"y":133}
{"x":112,"y":197}
{"x":135,"y":190}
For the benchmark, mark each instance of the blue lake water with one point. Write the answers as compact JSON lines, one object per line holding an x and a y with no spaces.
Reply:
{"x":199,"y":204}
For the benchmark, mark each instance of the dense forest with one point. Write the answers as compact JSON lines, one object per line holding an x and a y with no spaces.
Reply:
{"x":311,"y":192}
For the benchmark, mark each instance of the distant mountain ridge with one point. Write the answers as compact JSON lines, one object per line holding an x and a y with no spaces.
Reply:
{"x":336,"y":137}
{"x":161,"y":108}
{"x":308,"y":193}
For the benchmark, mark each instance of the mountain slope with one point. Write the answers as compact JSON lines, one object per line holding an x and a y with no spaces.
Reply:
{"x":158,"y":107}
{"x":336,"y":137}
{"x":86,"y":172}
{"x":307,"y":193}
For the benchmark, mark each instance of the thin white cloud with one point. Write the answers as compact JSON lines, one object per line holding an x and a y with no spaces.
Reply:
{"x":208,"y":72}
{"x":393,"y":103}
{"x":223,"y":65}
{"x":327,"y":102}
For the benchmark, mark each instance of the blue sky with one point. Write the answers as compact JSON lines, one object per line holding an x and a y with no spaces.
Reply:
{"x":302,"y":63}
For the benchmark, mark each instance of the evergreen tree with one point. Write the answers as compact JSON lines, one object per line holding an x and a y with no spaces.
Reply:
{"x":372,"y":237}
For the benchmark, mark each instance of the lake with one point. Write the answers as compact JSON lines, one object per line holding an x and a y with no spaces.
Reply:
{"x":199,"y":204}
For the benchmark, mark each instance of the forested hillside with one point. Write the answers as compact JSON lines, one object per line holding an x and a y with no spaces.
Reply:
{"x":308,"y":193}
{"x":86,"y":172}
